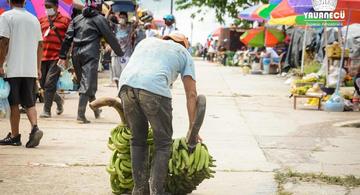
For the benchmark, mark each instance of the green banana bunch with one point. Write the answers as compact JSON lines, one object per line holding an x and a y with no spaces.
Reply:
{"x":120,"y":162}
{"x":186,"y":169}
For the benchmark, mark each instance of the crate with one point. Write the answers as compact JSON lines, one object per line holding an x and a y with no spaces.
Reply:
{"x":335,"y":52}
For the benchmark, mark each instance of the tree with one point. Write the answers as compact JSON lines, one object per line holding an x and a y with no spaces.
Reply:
{"x":221,"y":7}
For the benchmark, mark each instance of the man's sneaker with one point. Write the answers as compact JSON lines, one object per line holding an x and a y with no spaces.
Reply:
{"x":13,"y":141}
{"x":34,"y":138}
{"x":45,"y":114}
{"x":60,"y":107}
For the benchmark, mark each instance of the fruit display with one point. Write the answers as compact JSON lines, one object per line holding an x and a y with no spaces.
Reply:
{"x":187,"y":169}
{"x":300,"y":90}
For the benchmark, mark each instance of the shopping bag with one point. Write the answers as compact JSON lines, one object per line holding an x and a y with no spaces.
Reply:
{"x":4,"y":88}
{"x":65,"y":81}
{"x":4,"y":108}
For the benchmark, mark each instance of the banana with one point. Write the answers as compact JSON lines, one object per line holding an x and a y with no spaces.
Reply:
{"x":111,"y":147}
{"x":124,"y":168}
{"x":178,"y":162}
{"x":114,"y":185}
{"x":111,"y":170}
{"x":207,"y":160}
{"x":185,"y":157}
{"x":113,"y":157}
{"x":191,"y":159}
{"x":117,"y":168}
{"x":127,"y":163}
{"x":197,"y":153}
{"x":127,"y":186}
{"x":183,"y":143}
{"x":185,"y":170}
{"x":170,"y":166}
{"x":126,"y":135}
{"x":126,"y":181}
{"x":203,"y":156}
{"x":124,"y":156}
{"x":176,"y":145}
{"x":182,"y":166}
{"x":122,"y":140}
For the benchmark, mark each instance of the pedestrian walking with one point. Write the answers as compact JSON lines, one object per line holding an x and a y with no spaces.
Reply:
{"x":53,"y":27}
{"x":149,"y":32}
{"x":21,"y":50}
{"x":146,"y":97}
{"x":125,"y":32}
{"x":85,"y":32}
{"x":169,"y":25}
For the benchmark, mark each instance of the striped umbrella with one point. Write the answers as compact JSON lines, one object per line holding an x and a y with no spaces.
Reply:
{"x":37,"y":7}
{"x":249,"y":13}
{"x":262,"y":36}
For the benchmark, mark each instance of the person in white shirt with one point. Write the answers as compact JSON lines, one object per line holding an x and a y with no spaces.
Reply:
{"x":169,"y":25}
{"x":20,"y":62}
{"x":148,"y":31}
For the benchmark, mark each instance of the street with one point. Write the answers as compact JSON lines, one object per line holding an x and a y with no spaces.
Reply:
{"x":250,"y":128}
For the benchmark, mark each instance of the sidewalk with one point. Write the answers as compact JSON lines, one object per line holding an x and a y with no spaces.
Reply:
{"x":250,"y":129}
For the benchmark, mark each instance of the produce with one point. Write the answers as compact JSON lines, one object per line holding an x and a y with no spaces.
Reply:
{"x":300,"y":90}
{"x":186,"y":169}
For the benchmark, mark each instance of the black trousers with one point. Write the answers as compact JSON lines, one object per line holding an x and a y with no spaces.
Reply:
{"x":50,"y":76}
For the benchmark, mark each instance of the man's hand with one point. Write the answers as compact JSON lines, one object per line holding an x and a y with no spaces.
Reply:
{"x":62,"y":64}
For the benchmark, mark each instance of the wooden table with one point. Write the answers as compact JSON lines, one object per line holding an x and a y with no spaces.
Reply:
{"x":308,"y":96}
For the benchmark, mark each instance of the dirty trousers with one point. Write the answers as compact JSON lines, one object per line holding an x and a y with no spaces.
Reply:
{"x":141,"y":108}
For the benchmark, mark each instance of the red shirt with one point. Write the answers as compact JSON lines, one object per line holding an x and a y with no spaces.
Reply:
{"x":51,"y":43}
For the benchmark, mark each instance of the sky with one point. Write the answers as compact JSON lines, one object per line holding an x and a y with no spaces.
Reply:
{"x":201,"y":29}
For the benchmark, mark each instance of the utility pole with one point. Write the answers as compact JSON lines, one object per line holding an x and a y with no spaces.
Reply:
{"x":192,"y":32}
{"x":171,"y":7}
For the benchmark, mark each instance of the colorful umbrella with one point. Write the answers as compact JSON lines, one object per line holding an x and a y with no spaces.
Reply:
{"x":248,"y":14}
{"x":37,"y":8}
{"x":262,"y":36}
{"x":265,"y":13}
{"x":301,"y":6}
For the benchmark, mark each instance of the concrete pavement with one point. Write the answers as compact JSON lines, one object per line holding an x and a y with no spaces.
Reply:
{"x":250,"y":129}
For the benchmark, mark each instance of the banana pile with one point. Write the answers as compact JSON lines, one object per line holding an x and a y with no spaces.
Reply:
{"x":120,"y":162}
{"x":186,"y":169}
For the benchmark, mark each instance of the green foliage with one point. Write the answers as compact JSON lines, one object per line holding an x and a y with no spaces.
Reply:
{"x":221,"y":7}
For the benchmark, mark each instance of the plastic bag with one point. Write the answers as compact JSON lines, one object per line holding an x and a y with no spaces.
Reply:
{"x":4,"y":108}
{"x":65,"y":81}
{"x":335,"y":103}
{"x":4,"y":88}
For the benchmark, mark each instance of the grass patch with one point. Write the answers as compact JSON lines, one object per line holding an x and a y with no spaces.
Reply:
{"x":281,"y":178}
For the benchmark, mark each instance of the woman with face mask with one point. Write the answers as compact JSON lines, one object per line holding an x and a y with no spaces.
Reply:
{"x":125,"y":34}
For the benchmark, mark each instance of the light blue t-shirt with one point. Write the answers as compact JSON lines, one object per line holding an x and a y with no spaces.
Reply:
{"x":155,"y":65}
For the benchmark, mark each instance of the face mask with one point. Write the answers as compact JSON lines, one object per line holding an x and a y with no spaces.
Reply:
{"x":50,"y":12}
{"x":122,"y":21}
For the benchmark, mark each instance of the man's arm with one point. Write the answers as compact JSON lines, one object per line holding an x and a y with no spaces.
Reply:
{"x":39,"y":58}
{"x":69,"y":36}
{"x":4,"y":47}
{"x":109,"y":36}
{"x":191,"y":97}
